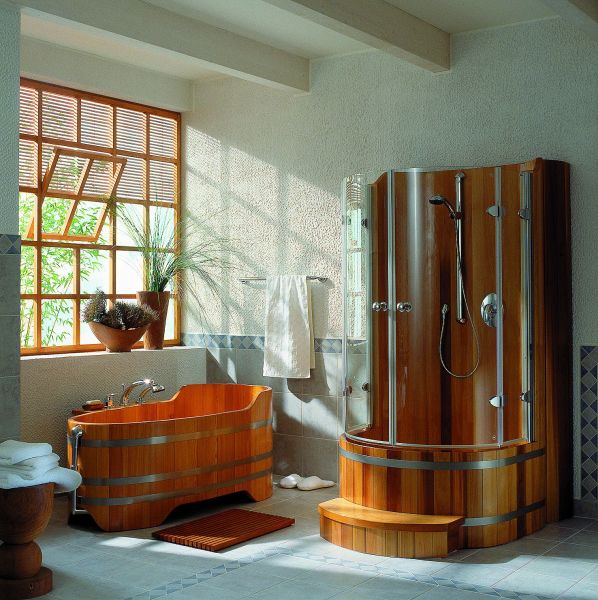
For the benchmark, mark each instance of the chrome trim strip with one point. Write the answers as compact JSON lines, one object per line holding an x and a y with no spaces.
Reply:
{"x":176,"y":474}
{"x":392,"y":304}
{"x":459,"y":234}
{"x":424,"y":465}
{"x":499,"y":303}
{"x":165,"y":439}
{"x":126,"y":500}
{"x":494,"y":519}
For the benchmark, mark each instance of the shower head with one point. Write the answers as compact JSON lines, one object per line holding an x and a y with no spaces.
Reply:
{"x":438,"y":200}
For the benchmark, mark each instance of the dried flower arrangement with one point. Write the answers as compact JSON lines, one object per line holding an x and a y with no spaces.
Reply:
{"x":123,"y":315}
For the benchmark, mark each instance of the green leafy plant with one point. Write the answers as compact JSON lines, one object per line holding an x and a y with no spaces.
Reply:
{"x":123,"y":315}
{"x":167,"y":262}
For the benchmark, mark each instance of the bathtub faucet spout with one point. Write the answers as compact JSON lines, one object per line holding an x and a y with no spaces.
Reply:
{"x":149,"y":386}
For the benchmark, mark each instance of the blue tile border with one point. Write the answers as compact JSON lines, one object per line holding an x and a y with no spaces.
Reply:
{"x":374,"y":570}
{"x":10,"y":244}
{"x":589,"y":422}
{"x":250,"y":342}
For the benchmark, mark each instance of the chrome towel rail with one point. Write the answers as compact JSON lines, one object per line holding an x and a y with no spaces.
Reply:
{"x":309,"y":278}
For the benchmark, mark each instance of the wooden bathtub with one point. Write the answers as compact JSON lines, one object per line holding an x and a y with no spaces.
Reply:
{"x":139,"y":462}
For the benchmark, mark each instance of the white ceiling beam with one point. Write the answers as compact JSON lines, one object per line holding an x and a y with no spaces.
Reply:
{"x":216,"y":49}
{"x":380,"y":25}
{"x":581,"y":13}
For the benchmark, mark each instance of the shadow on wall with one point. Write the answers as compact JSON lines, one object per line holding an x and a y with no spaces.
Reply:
{"x":279,"y":224}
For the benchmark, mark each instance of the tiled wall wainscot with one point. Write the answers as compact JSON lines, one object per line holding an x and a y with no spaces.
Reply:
{"x":10,"y":260}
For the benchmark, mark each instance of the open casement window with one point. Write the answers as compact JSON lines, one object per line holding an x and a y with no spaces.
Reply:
{"x":77,"y":151}
{"x":74,"y":174}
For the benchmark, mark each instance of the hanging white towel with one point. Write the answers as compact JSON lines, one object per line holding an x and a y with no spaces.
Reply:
{"x":66,"y":480}
{"x":289,"y":342}
{"x":49,"y":460}
{"x":13,"y":451}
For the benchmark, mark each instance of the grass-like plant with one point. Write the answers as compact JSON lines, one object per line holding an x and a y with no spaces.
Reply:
{"x":167,"y":261}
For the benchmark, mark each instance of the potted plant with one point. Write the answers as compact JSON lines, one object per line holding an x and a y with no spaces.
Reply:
{"x":120,"y":327}
{"x":168,"y":263}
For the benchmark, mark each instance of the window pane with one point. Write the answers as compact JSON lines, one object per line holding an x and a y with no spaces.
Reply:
{"x":96,"y":123}
{"x":27,"y":270}
{"x":57,"y":322}
{"x":132,"y":182}
{"x":27,"y":323}
{"x":129,"y":272}
{"x":99,"y":180}
{"x":28,"y":111}
{"x":26,"y":212}
{"x":54,"y":214}
{"x":169,"y":334}
{"x":67,"y":174}
{"x":95,"y":271}
{"x":88,"y":216}
{"x":130,"y":130}
{"x":59,"y":116}
{"x":162,"y":136}
{"x":162,"y":225}
{"x":57,"y":271}
{"x":86,"y":336}
{"x":134,"y":219}
{"x":162,"y":181}
{"x":27,"y":163}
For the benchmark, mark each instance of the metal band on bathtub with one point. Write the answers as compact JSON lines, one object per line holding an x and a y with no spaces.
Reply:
{"x":176,"y":474}
{"x":126,"y":500}
{"x":165,"y":439}
{"x":493,"y":520}
{"x":425,"y":465}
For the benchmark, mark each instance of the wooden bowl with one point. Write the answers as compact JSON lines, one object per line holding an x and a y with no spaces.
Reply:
{"x":117,"y":340}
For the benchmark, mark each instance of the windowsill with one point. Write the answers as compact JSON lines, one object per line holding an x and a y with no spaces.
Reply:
{"x":84,"y":355}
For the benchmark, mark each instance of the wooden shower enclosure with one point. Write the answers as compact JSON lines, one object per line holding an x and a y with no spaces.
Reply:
{"x":437,"y":462}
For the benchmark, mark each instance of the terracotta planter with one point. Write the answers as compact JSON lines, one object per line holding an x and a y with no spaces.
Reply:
{"x":117,"y":340}
{"x":154,"y":338}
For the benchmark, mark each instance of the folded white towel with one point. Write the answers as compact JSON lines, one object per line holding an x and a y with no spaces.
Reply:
{"x":27,"y":472}
{"x":66,"y":480}
{"x":288,"y":345}
{"x":13,"y":451}
{"x":50,"y":460}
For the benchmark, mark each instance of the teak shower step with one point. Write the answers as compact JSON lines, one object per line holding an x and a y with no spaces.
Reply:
{"x":388,"y":533}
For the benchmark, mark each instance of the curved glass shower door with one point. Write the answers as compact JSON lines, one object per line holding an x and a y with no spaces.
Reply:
{"x":429,"y":359}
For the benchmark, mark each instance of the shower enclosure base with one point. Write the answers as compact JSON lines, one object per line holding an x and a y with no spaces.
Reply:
{"x":490,"y":497}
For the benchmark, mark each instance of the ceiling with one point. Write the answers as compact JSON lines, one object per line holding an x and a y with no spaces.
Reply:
{"x":270,"y":25}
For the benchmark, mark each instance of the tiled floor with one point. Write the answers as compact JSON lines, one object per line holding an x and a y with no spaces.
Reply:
{"x":295,"y":563}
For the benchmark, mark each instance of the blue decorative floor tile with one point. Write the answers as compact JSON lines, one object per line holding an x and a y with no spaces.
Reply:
{"x":589,"y":422}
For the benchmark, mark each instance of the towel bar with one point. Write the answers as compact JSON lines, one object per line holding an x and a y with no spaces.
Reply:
{"x":309,"y":278}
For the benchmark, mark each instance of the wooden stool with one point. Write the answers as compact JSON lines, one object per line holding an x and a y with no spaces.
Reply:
{"x":24,"y":514}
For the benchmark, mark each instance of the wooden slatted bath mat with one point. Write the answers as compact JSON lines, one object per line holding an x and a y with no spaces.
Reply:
{"x":223,"y":530}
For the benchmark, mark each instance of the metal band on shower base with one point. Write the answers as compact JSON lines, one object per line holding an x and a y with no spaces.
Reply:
{"x":493,"y":520}
{"x":152,"y":478}
{"x":165,"y":439}
{"x":424,"y":465}
{"x":126,"y":500}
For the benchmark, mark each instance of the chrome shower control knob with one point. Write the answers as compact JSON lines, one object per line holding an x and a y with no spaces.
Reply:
{"x":380,"y":306}
{"x":404,"y":307}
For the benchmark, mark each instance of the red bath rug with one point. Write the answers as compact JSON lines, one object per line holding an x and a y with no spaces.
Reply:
{"x":223,"y":530}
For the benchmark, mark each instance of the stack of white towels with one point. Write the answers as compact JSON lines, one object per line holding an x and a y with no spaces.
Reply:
{"x":24,"y":464}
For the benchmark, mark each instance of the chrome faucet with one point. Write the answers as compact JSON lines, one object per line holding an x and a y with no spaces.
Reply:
{"x":150,"y":386}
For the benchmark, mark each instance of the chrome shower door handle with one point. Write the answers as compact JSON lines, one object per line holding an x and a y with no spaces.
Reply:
{"x":404,"y":307}
{"x":380,"y":306}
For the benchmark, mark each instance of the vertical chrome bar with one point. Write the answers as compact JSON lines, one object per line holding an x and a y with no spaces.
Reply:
{"x":459,"y":252}
{"x":527,"y":373}
{"x":76,"y":433}
{"x":392,"y":407}
{"x":345,"y":295}
{"x":369,"y":301}
{"x":499,"y":305}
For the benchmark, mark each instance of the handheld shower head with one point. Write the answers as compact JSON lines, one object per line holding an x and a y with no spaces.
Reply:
{"x":438,"y":200}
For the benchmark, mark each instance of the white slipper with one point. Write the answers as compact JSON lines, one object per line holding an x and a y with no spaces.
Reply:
{"x":313,"y":483}
{"x":290,"y":481}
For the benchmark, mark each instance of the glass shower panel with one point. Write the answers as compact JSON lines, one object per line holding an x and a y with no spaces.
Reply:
{"x":365,"y":271}
{"x":436,"y":404}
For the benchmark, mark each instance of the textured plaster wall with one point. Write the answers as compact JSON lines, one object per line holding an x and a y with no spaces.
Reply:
{"x":9,"y":243}
{"x":53,"y":385}
{"x":267,"y":165}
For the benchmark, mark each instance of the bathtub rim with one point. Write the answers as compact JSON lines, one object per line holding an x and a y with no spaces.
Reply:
{"x":82,"y":419}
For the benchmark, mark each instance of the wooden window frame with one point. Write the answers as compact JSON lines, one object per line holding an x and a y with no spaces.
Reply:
{"x":111,"y":154}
